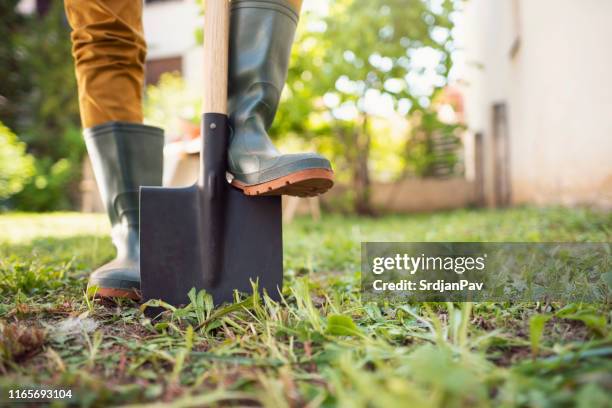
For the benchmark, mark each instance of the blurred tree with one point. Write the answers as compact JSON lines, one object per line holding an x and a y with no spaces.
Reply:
{"x":431,"y":149}
{"x":51,"y":103}
{"x":16,"y":166}
{"x":362,"y":59}
{"x":13,"y":85}
{"x":171,"y":103}
{"x":39,"y":102}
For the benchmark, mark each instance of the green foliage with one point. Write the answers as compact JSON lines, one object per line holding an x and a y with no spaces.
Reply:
{"x":16,"y":166}
{"x":50,"y":105}
{"x":536,"y":330}
{"x":40,"y":103}
{"x":359,"y":55}
{"x":338,"y":325}
{"x":170,"y":102}
{"x":47,"y":190}
{"x":29,"y":278}
{"x":587,"y":315}
{"x":320,"y":345}
{"x":424,"y":149}
{"x":13,"y":82}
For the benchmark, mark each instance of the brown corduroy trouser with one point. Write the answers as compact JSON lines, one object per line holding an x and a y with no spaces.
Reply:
{"x":109,"y":53}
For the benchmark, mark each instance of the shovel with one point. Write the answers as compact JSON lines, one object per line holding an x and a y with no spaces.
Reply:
{"x":210,"y":235}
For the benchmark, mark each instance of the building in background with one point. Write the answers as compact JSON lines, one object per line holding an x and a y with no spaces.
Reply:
{"x":538,"y":98}
{"x":537,"y":94}
{"x":170,"y":30}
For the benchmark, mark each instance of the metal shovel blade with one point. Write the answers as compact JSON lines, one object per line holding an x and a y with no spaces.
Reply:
{"x":170,"y":241}
{"x":171,"y":252}
{"x":209,"y":236}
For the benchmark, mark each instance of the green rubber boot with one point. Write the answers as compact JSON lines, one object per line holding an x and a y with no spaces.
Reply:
{"x":124,"y":157}
{"x":261,"y":35}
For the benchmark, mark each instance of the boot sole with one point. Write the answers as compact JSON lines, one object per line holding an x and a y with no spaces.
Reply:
{"x":303,"y":183}
{"x":118,"y":293}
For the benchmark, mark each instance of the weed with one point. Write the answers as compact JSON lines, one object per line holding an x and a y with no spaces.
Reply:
{"x":319,"y":345}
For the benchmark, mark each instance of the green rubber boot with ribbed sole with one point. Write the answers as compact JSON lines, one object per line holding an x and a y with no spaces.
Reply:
{"x":124,"y":156}
{"x":261,"y":35}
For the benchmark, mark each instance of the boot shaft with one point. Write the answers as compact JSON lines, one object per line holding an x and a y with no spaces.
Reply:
{"x":261,"y":36}
{"x":125,"y":156}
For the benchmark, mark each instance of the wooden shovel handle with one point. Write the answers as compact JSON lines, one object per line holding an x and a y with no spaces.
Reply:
{"x":216,"y":43}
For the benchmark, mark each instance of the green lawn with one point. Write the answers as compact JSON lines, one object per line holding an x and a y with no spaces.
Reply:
{"x":321,"y":346}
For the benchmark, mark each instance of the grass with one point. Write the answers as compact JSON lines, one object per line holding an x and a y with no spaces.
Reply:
{"x":319,"y":346}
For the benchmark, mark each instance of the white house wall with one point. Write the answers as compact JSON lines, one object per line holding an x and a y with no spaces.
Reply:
{"x":170,"y":28}
{"x":558,"y":92}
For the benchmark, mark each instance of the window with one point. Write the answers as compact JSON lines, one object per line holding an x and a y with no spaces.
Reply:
{"x":156,"y":67}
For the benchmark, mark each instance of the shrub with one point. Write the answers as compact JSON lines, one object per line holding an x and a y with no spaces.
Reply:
{"x":171,"y":103}
{"x":39,"y":102}
{"x":51,"y":188}
{"x":16,"y":166}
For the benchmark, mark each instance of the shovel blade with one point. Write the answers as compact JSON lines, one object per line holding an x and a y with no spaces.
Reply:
{"x":172,"y":253}
{"x":253,"y":246}
{"x":170,"y":243}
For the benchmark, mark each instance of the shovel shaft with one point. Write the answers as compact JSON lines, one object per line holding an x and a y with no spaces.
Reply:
{"x":216,"y":38}
{"x":213,"y":188}
{"x":210,"y":235}
{"x":214,"y":104}
{"x":213,"y":156}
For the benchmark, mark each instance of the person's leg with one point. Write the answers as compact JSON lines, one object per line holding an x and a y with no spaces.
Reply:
{"x":261,"y":36}
{"x":109,"y":52}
